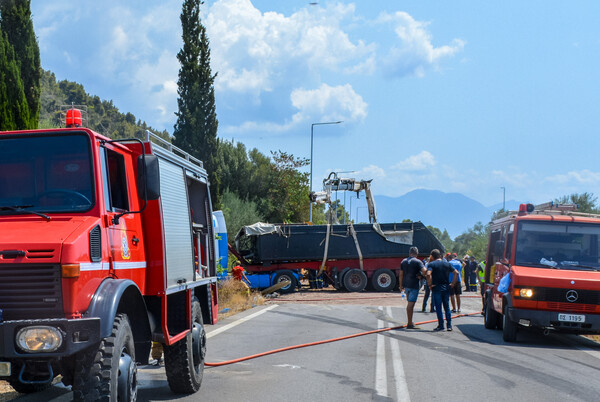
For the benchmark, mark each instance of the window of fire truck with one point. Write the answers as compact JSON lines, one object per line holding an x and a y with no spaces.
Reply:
{"x":114,"y":180}
{"x":558,"y":245}
{"x":46,"y":173}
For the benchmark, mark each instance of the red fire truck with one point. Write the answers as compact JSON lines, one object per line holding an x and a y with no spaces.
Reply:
{"x":105,"y":246}
{"x":543,"y":271}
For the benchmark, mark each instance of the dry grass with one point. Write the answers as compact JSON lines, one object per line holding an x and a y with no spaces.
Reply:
{"x":234,"y":296}
{"x":6,"y":392}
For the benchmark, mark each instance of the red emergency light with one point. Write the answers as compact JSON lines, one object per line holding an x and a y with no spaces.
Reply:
{"x":524,"y":209}
{"x":73,"y":118}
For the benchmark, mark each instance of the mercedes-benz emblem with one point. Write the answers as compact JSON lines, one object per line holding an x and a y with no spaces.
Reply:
{"x":572,"y":296}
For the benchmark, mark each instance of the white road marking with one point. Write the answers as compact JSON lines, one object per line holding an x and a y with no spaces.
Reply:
{"x":402,"y":394}
{"x":238,"y":322}
{"x":380,"y":362}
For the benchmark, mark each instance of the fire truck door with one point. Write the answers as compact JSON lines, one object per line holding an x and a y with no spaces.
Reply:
{"x":124,"y":237}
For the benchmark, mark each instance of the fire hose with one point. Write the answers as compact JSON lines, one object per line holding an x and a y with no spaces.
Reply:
{"x":305,"y":345}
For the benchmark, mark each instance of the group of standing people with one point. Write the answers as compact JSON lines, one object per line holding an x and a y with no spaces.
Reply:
{"x":441,"y":276}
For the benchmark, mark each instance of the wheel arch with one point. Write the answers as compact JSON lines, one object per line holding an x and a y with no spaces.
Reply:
{"x":115,"y":296}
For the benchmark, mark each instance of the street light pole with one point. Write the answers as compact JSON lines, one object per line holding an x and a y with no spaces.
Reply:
{"x":311,"y":157}
{"x":503,"y":198}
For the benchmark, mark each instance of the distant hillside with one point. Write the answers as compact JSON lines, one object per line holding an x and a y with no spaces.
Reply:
{"x":454,"y":212}
{"x":103,"y":116}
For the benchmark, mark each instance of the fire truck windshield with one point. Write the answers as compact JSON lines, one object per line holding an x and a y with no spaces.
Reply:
{"x":558,"y":245}
{"x":45,"y":173}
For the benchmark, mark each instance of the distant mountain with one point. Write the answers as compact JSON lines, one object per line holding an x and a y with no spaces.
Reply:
{"x":454,"y":212}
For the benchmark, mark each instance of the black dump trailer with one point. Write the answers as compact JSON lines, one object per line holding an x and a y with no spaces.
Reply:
{"x":349,"y":256}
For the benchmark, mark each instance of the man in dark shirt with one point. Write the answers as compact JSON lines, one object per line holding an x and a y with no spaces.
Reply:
{"x":438,"y":278}
{"x":411,"y":272}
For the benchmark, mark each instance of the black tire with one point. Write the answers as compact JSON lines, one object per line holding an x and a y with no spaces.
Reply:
{"x":490,"y":318}
{"x":108,"y":372}
{"x":383,"y":280}
{"x":355,"y":280}
{"x":184,"y":360}
{"x":286,"y":275}
{"x":509,"y":328}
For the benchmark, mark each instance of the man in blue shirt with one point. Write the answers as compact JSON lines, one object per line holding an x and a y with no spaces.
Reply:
{"x":456,"y":290}
{"x":411,"y":272}
{"x":438,"y":275}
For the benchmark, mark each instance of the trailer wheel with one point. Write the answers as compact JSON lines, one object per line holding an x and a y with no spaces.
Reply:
{"x":490,"y":319}
{"x":509,"y":328}
{"x":383,"y":280}
{"x":286,"y":275}
{"x":109,"y":372}
{"x":184,"y":360}
{"x":355,"y":280}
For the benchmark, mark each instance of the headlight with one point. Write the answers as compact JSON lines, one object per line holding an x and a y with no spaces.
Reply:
{"x":39,"y":339}
{"x":528,"y":293}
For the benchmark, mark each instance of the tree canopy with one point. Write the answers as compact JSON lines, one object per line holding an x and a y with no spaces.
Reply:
{"x":19,"y":67}
{"x":196,"y":127}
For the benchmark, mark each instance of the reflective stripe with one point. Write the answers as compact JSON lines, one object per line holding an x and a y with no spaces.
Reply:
{"x":129,"y":265}
{"x":101,"y":266}
{"x":94,"y":266}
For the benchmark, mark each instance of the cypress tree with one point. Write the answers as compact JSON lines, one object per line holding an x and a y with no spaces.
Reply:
{"x":16,"y":23}
{"x":14,"y":112}
{"x":196,"y":127}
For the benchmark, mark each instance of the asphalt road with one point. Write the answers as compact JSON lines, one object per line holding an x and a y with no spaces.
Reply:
{"x":467,"y":364}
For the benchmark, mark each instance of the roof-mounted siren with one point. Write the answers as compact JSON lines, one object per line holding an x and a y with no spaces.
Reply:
{"x":525,"y":209}
{"x":74,"y":115}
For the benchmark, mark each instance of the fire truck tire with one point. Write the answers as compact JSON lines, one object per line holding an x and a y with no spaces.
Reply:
{"x":383,"y":280}
{"x":490,"y":319}
{"x":509,"y":328}
{"x":184,"y":360}
{"x":286,"y":275}
{"x":108,"y":372}
{"x":355,"y":280}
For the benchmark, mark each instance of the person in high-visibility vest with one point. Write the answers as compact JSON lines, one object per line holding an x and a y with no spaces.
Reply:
{"x":481,"y":280}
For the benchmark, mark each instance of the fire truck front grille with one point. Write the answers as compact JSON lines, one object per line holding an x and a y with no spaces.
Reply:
{"x":569,"y":296}
{"x":30,"y":291}
{"x":574,"y":307}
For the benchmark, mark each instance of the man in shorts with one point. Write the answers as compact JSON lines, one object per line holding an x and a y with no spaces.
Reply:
{"x":412,"y":271}
{"x":455,"y":290}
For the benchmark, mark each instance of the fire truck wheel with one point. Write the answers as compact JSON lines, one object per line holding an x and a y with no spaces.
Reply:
{"x":509,"y":328}
{"x":184,"y":360}
{"x":286,"y":275}
{"x":108,"y":372}
{"x":383,"y":280}
{"x":355,"y":280}
{"x":490,"y":319}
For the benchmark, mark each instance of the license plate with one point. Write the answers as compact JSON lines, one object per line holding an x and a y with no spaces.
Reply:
{"x":571,"y":317}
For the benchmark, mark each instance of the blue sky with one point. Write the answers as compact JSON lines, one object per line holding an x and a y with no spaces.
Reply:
{"x":457,"y":96}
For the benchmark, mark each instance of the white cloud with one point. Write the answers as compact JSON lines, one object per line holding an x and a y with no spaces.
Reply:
{"x":414,"y":53}
{"x":328,"y":103}
{"x":421,"y":162}
{"x":255,"y":52}
{"x":575,"y":178}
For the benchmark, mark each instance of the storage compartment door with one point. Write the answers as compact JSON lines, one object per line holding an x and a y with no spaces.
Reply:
{"x":176,"y":224}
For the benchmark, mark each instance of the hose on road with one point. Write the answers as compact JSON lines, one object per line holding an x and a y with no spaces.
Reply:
{"x":305,"y":345}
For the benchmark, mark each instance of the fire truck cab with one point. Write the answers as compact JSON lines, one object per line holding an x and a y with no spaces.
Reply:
{"x":543,"y":271}
{"x":105,"y":246}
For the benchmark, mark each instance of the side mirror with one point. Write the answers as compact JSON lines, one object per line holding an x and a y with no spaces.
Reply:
{"x":152,"y":179}
{"x":499,"y":248}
